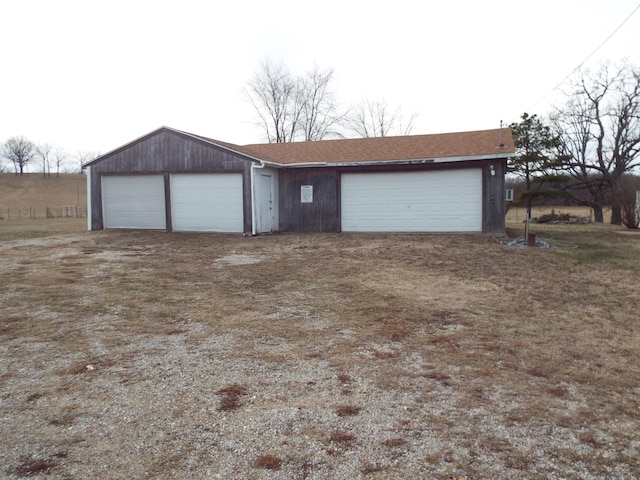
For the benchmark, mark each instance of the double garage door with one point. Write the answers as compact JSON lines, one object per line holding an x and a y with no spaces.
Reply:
{"x":199,"y":202}
{"x":428,"y":201}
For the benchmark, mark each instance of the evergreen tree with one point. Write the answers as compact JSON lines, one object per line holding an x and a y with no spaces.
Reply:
{"x":536,"y":158}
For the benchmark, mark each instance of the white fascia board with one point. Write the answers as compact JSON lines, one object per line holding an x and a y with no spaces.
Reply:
{"x":267,"y":163}
{"x":89,"y":203}
{"x":489,"y":156}
{"x":307,"y":164}
{"x":415,"y":161}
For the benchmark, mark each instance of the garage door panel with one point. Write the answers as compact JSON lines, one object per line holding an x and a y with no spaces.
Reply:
{"x":134,"y":201}
{"x":439,"y":201}
{"x":207,"y":202}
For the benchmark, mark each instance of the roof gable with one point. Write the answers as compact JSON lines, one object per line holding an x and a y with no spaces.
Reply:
{"x":161,"y":130}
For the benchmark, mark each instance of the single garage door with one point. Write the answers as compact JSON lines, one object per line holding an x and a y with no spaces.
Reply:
{"x":134,"y":201}
{"x":207,"y":202}
{"x":427,"y":201}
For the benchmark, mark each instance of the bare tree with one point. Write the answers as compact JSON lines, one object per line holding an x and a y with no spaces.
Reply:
{"x":600,"y":129}
{"x":85,"y":156}
{"x":20,"y":151}
{"x":273,"y":92}
{"x":319,"y":117}
{"x":293,"y":108}
{"x":3,"y":166}
{"x":59,"y":156}
{"x":305,"y":108}
{"x":375,"y":118}
{"x":43,"y":151}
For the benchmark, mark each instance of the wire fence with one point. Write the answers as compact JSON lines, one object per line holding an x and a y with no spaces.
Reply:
{"x":28,"y":212}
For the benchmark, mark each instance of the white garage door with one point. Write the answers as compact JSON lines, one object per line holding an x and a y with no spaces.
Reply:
{"x":134,"y":201}
{"x":435,"y":201}
{"x":207,"y":202}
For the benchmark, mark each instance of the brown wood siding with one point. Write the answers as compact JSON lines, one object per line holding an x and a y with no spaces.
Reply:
{"x":322,"y":215}
{"x":493,"y":197}
{"x":169,"y":152}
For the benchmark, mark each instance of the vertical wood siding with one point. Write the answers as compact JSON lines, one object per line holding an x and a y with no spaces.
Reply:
{"x":493,"y":197}
{"x":323,"y":214}
{"x":169,"y":152}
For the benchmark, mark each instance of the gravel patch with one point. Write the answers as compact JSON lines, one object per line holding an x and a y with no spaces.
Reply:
{"x":177,"y":357}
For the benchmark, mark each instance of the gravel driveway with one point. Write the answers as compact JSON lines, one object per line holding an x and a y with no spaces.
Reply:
{"x":197,"y":356}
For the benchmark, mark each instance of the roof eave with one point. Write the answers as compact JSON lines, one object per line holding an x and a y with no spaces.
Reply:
{"x":413,"y":161}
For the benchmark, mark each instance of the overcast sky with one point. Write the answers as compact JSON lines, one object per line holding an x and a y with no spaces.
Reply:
{"x":91,"y":75}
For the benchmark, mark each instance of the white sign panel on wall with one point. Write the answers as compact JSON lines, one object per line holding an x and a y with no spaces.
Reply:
{"x":306,"y":193}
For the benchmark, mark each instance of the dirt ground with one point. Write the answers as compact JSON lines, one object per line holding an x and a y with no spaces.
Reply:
{"x":200,"y":356}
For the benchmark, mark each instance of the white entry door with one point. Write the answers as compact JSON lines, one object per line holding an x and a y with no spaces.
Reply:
{"x":266,"y":204}
{"x":425,"y":201}
{"x":134,"y":201}
{"x":203,"y":202}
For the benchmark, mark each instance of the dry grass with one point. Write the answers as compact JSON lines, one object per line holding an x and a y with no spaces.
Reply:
{"x":342,"y":437}
{"x":269,"y":462}
{"x":518,"y":214}
{"x":395,"y":442}
{"x":370,"y":468}
{"x":35,"y":191}
{"x":22,"y":196}
{"x":489,"y":362}
{"x":31,"y":466}
{"x":347,"y":410}
{"x":230,"y":399}
{"x":40,"y":227}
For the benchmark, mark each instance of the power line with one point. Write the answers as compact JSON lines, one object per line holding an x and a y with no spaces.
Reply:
{"x":587,"y":58}
{"x":606,"y":40}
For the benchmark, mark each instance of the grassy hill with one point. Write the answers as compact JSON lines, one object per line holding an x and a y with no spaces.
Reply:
{"x":25,"y":200}
{"x":34,"y":192}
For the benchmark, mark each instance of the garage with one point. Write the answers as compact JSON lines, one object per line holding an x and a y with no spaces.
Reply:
{"x":174,"y":180}
{"x":134,"y":201}
{"x":423,"y":201}
{"x":207,"y":202}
